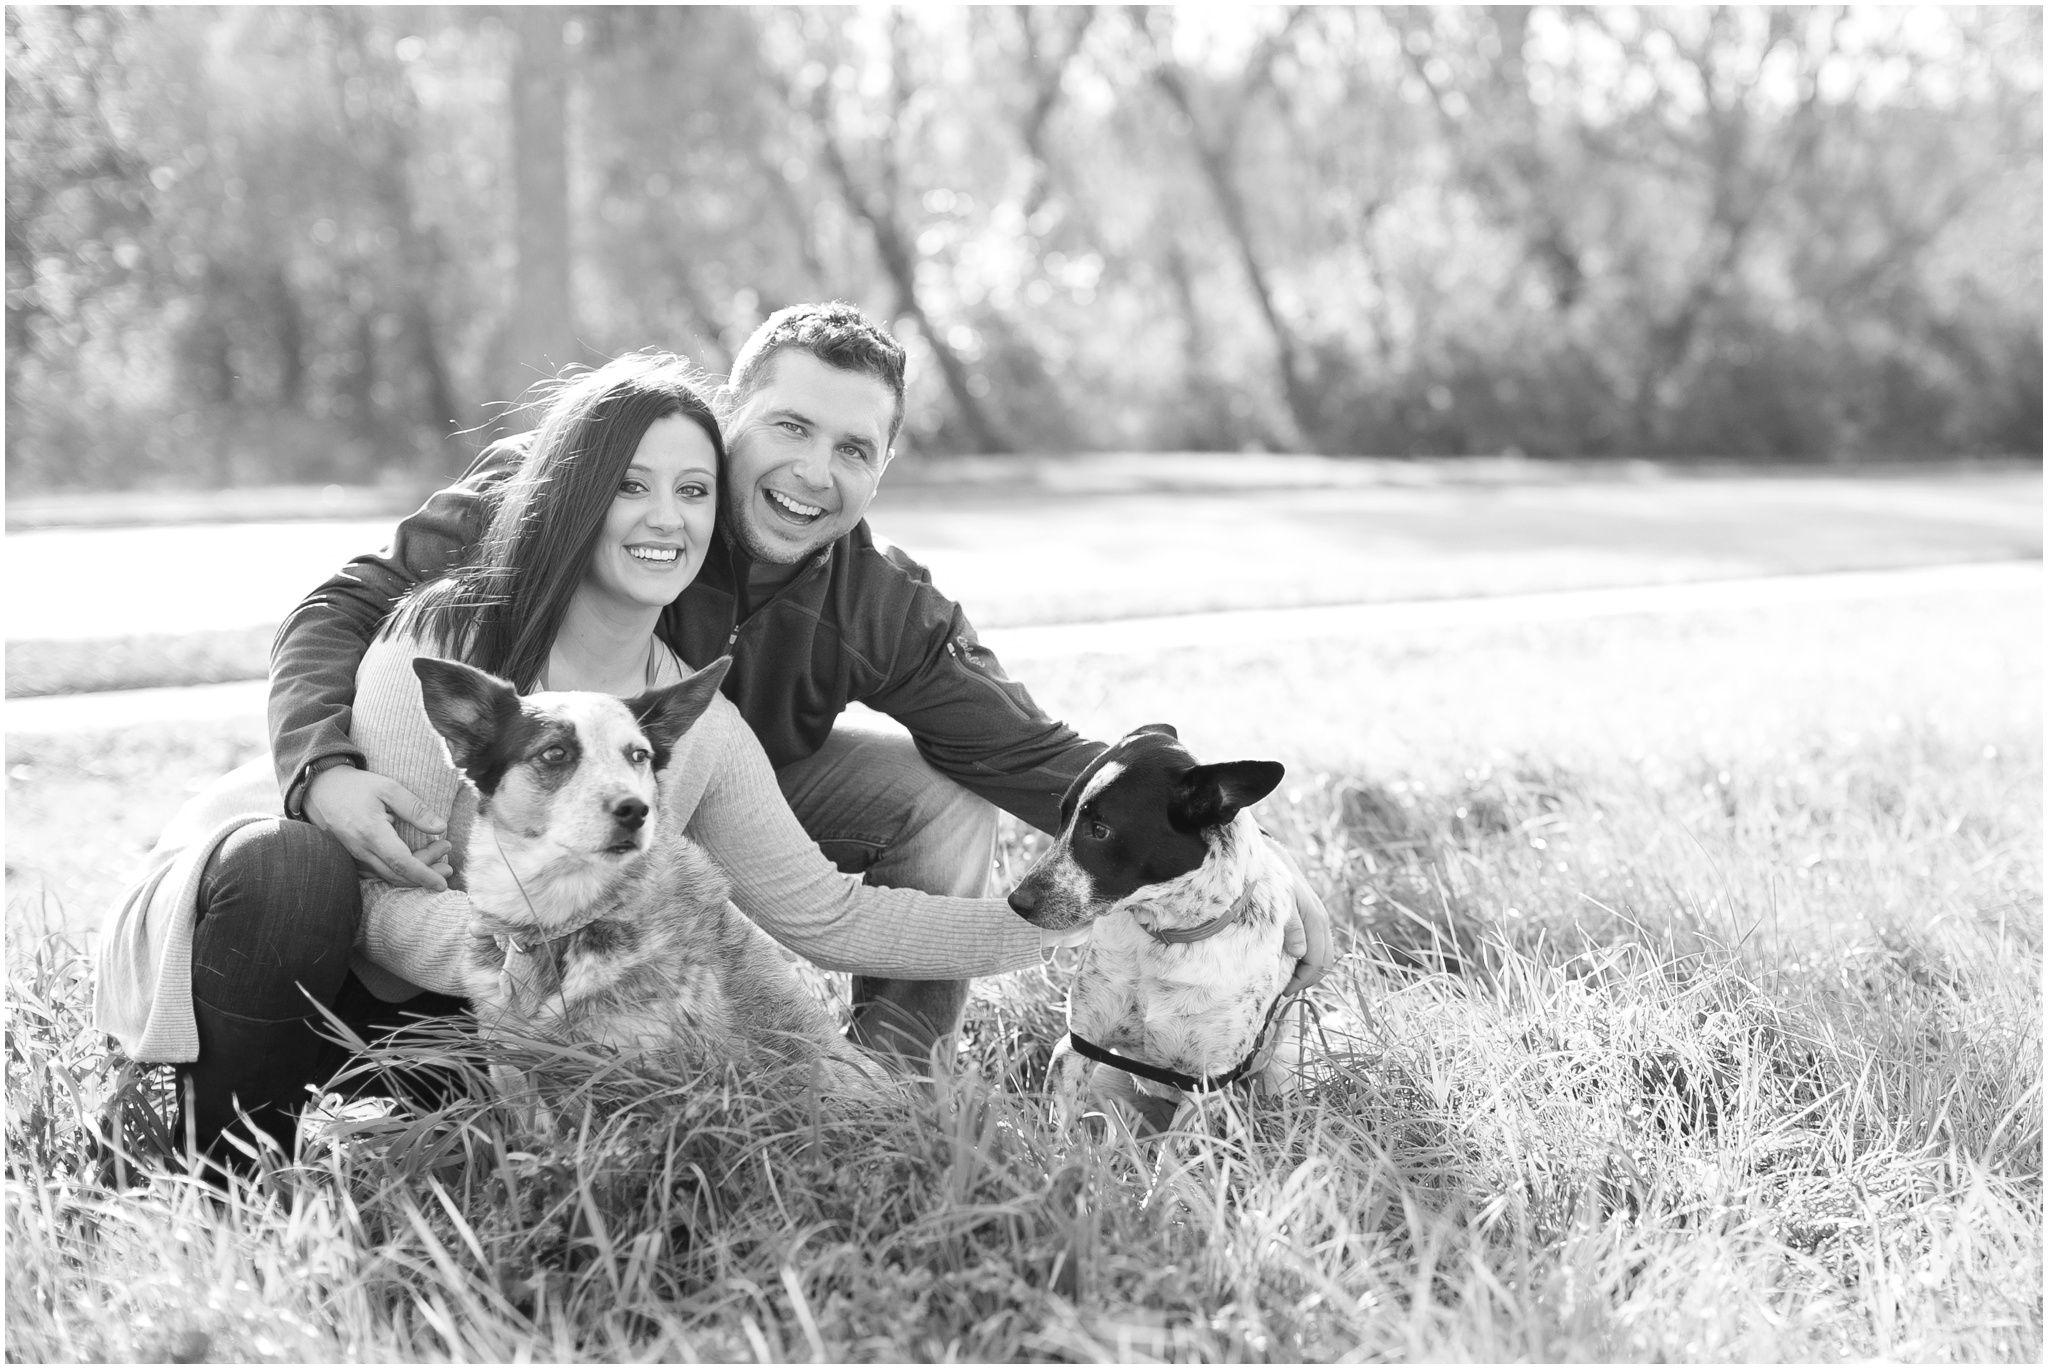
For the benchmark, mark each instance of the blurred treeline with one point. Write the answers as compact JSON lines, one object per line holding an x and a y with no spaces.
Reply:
{"x":319,"y":244}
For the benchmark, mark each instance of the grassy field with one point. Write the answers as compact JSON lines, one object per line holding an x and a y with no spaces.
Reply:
{"x":1689,"y":1009}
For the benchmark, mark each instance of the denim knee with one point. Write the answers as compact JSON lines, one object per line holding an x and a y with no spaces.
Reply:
{"x":278,"y":907}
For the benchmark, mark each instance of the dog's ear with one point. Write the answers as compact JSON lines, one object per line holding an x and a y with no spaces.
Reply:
{"x":1159,"y":729}
{"x":470,"y":708}
{"x":1210,"y":795}
{"x":666,"y":714}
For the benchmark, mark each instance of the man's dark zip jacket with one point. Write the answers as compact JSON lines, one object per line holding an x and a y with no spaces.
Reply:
{"x":860,"y":622}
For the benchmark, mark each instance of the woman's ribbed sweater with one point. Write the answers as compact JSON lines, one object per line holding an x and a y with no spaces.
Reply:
{"x":719,"y":787}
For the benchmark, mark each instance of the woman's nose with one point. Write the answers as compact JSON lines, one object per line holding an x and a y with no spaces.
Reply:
{"x":665,"y":512}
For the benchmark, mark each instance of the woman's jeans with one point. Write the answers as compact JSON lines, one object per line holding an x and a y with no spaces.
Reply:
{"x":278,"y":907}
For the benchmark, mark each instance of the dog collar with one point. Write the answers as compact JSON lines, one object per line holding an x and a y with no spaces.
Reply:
{"x":1178,"y":936}
{"x":1159,"y":1074}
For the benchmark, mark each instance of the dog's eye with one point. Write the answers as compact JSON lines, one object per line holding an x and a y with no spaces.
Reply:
{"x":638,"y":755}
{"x":555,"y":755}
{"x":1096,"y":831}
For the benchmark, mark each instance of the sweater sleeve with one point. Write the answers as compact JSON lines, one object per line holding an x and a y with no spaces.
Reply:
{"x":417,"y":934}
{"x":784,"y":883}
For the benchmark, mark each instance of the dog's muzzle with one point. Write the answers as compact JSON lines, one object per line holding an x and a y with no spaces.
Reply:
{"x":1024,"y":902}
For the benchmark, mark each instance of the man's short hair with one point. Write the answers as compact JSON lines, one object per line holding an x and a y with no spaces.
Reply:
{"x":837,"y":334}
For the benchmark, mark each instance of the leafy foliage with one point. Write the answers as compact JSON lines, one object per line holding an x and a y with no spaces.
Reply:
{"x":275,"y":244}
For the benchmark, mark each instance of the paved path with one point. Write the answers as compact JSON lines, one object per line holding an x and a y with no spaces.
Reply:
{"x":1146,"y":635}
{"x":1026,"y":556}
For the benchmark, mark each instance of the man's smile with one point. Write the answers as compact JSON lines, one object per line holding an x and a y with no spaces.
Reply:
{"x":793,"y":509}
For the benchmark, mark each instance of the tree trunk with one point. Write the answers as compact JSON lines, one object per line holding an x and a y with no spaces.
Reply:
{"x":541,"y":336}
{"x":876,"y":207}
{"x":1214,"y":153}
{"x":288,"y":334}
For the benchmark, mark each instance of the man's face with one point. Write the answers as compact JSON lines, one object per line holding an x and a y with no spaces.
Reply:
{"x":803,"y":456}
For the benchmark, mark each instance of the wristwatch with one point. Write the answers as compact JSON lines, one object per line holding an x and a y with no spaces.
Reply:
{"x":295,"y":802}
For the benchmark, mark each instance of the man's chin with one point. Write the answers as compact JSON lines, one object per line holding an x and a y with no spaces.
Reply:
{"x":776,"y":550}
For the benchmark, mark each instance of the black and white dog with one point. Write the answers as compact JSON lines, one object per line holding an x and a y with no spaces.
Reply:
{"x":1179,"y":986}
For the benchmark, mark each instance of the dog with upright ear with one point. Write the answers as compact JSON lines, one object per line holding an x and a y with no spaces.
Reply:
{"x":1211,"y":795}
{"x":666,"y":714}
{"x":471,"y":709}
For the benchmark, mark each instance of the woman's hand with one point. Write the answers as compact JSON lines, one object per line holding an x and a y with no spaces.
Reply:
{"x":360,"y":810}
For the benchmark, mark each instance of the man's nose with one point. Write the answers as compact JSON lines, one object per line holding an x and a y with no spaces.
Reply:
{"x":814,"y":467}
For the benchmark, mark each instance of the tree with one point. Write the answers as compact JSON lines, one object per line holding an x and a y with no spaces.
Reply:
{"x":541,"y":330}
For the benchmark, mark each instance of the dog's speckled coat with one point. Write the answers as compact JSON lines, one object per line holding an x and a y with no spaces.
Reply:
{"x":594,"y":920}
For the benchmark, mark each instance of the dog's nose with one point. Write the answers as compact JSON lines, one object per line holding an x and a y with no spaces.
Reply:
{"x":629,"y":813}
{"x":1023,"y":900}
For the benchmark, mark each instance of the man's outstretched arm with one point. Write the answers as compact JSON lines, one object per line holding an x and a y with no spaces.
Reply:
{"x":313,"y":672}
{"x":973,"y":723}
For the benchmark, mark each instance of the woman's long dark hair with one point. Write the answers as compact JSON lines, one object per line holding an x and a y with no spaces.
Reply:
{"x":501,"y":608}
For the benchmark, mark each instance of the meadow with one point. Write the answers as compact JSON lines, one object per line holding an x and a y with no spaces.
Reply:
{"x":1688,"y":1008}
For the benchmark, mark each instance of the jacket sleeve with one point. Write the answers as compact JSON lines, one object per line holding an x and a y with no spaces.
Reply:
{"x":313,"y":660}
{"x":971,"y":721}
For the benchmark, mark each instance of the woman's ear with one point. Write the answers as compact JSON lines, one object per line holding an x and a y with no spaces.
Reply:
{"x":666,"y":714}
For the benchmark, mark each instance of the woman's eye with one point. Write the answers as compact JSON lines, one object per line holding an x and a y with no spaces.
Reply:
{"x":631,"y":487}
{"x":694,"y":491}
{"x":555,"y":755}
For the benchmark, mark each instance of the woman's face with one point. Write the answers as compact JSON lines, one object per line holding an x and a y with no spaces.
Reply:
{"x":659,"y":526}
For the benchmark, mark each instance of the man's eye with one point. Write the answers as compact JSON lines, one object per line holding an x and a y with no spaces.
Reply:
{"x":555,"y":755}
{"x":791,"y":426}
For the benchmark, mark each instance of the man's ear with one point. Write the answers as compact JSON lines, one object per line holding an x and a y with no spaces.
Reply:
{"x":666,"y":714}
{"x":470,"y":708}
{"x":1211,"y":795}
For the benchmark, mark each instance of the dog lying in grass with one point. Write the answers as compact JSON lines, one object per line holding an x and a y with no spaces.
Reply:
{"x":1178,"y":989}
{"x":594,"y":921}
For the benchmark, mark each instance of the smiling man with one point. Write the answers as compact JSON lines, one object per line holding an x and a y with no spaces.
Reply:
{"x":816,"y":613}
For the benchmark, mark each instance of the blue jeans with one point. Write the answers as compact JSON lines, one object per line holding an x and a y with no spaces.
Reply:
{"x":278,"y":906}
{"x":878,"y":811}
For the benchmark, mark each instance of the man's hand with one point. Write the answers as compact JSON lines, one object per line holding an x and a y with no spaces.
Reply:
{"x":1308,"y":931}
{"x":358,"y":808}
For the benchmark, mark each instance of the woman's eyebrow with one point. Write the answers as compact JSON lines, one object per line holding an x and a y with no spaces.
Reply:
{"x":687,"y":470}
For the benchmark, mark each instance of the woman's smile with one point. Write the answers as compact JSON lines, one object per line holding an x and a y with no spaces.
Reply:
{"x":655,"y":532}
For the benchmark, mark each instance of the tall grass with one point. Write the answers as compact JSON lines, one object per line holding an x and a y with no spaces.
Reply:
{"x":1650,"y":1060}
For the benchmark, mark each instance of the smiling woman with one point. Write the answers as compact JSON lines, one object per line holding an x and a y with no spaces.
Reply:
{"x":606,"y":521}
